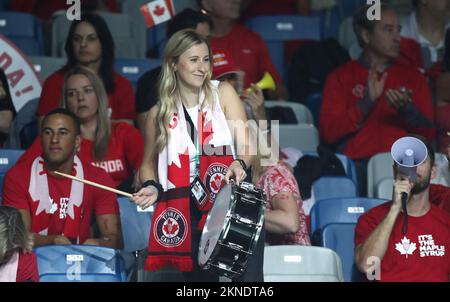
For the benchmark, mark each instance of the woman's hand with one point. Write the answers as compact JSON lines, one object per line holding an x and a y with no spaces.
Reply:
{"x":145,"y":197}
{"x":235,"y":171}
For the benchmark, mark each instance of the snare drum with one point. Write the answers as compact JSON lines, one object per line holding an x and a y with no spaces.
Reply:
{"x":232,"y":229}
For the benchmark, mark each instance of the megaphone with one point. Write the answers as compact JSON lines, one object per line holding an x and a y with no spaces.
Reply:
{"x":409,"y":152}
{"x":266,"y":82}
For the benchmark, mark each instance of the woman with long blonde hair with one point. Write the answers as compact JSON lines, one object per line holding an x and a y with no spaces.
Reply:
{"x":191,"y":140}
{"x":18,"y":263}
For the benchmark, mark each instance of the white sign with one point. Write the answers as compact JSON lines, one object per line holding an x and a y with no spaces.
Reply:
{"x":24,"y":82}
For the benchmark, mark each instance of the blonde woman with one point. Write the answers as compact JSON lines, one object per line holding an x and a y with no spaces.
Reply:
{"x":285,"y":220}
{"x":115,"y":147}
{"x":17,"y":261}
{"x":189,"y":139}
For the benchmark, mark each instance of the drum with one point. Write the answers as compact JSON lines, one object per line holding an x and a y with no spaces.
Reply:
{"x":232,"y":229}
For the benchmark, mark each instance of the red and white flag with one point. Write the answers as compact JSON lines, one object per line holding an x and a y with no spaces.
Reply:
{"x":157,"y":11}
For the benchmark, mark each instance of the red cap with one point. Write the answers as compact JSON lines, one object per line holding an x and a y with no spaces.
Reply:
{"x":223,"y":64}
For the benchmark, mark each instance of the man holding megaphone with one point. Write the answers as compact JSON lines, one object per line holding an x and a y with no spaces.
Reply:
{"x":408,"y":238}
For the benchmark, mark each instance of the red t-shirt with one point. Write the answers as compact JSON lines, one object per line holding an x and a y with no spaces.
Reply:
{"x":16,"y":194}
{"x":27,"y":269}
{"x":249,"y":52}
{"x":123,"y":157}
{"x":342,"y":118}
{"x":121,"y":100}
{"x":440,"y":196}
{"x":420,"y":255}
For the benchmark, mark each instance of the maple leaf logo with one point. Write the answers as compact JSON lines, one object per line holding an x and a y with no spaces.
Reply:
{"x":405,"y":247}
{"x":159,"y":10}
{"x":170,"y":228}
{"x":217,"y":182}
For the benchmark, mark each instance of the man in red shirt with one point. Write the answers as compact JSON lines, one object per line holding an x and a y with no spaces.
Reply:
{"x":246,"y":47}
{"x":418,"y":253}
{"x":369,"y":103}
{"x":55,"y":209}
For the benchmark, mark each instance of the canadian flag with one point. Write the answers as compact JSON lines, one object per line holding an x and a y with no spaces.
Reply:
{"x":157,"y":11}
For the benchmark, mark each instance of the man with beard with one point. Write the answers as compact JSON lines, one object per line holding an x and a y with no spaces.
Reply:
{"x":421,"y":253}
{"x":57,"y":210}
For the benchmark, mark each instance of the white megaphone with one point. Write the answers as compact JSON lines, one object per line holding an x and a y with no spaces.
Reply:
{"x":409,"y":152}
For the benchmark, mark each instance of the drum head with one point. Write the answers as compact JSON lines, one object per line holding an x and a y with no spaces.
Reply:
{"x":215,"y":223}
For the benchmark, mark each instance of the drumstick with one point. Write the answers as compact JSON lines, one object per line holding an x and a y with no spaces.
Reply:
{"x":95,"y":184}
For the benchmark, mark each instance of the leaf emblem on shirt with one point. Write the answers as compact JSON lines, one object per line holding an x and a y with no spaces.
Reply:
{"x":405,"y":247}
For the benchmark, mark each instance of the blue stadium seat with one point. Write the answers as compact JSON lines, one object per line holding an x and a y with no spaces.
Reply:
{"x":133,"y":69}
{"x":313,"y":103}
{"x":79,"y":263}
{"x":8,"y":158}
{"x":135,"y":225}
{"x":340,"y":238}
{"x":330,"y":20}
{"x":24,"y":31}
{"x":333,"y":187}
{"x":156,"y":40}
{"x":276,"y":29}
{"x":338,"y":210}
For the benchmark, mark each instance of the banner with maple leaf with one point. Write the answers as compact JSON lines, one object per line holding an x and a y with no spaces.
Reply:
{"x":158,"y":11}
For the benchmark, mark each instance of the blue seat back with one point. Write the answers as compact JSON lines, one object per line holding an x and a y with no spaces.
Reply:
{"x":340,"y":238}
{"x":333,"y":187}
{"x":133,"y":69}
{"x":23,"y":30}
{"x":8,"y":158}
{"x":276,"y":29}
{"x":135,"y":225}
{"x":339,"y":210}
{"x":78,"y":263}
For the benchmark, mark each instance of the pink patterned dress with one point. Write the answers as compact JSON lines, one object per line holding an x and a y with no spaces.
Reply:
{"x":275,"y":180}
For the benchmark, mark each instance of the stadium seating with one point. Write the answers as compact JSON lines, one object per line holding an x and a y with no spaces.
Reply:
{"x":24,"y":31}
{"x":297,"y":263}
{"x":301,"y":136}
{"x":135,"y":225}
{"x":379,"y":167}
{"x":340,"y":238}
{"x":338,"y":210}
{"x":313,"y":103}
{"x":132,"y":9}
{"x":8,"y":158}
{"x":302,"y":113}
{"x":79,"y":263}
{"x":133,"y":69}
{"x":334,"y":187}
{"x":45,"y":66}
{"x":276,"y":29}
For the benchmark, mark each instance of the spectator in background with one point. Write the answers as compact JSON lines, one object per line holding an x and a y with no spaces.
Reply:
{"x":7,"y":110}
{"x":423,"y":35}
{"x":371,"y":102}
{"x":247,"y":48}
{"x":285,"y":220}
{"x":147,"y":87}
{"x":417,"y":253}
{"x":58,"y":210}
{"x":442,"y":108}
{"x":116,"y":147}
{"x":18,"y":263}
{"x":89,"y":43}
{"x":253,"y":8}
{"x":44,"y":9}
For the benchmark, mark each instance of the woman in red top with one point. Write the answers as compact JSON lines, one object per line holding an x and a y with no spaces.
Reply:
{"x":114,"y":146}
{"x":89,"y":43}
{"x":17,"y":261}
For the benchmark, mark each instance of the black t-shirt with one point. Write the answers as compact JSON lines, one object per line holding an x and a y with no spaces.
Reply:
{"x":6,"y":103}
{"x":147,"y":94}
